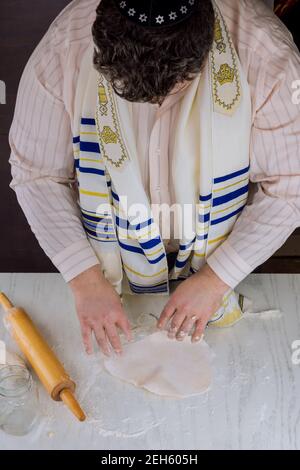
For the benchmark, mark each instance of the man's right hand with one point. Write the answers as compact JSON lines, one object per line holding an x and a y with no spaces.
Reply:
{"x":99,"y":310}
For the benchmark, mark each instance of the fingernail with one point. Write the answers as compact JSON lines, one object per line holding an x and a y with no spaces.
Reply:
{"x":159,"y":325}
{"x":173,"y":330}
{"x":118,"y":351}
{"x":197,"y":338}
{"x":182,"y":334}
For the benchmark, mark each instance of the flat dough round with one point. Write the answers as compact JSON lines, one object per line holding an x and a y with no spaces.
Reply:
{"x":163,"y":366}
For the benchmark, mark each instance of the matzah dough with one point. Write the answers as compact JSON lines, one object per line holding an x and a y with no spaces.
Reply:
{"x":163,"y":366}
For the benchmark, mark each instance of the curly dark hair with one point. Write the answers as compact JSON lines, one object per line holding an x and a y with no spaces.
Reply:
{"x":144,"y":64}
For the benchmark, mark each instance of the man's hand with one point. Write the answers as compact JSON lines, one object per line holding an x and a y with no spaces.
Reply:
{"x":99,"y":310}
{"x":192,"y":304}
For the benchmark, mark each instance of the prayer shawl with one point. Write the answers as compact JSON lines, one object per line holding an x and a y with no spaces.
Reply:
{"x":210,"y":168}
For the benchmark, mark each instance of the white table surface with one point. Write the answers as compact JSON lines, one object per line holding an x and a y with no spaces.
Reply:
{"x":254,"y":401}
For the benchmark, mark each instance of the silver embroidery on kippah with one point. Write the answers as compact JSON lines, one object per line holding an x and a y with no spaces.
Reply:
{"x":173,"y":16}
{"x":183,"y":9}
{"x":131,"y":12}
{"x":160,"y":19}
{"x":143,"y":17}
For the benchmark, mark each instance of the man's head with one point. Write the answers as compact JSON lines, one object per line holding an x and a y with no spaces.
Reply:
{"x":144,"y":64}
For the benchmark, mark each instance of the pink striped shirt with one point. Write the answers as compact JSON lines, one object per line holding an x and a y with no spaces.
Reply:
{"x":41,"y":140}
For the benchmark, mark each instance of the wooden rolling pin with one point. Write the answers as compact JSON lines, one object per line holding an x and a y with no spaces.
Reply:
{"x":42,"y":359}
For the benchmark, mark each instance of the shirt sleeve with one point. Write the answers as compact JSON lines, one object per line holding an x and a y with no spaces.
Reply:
{"x":273,"y":213}
{"x":42,"y":163}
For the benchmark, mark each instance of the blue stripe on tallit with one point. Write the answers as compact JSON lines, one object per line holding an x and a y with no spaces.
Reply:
{"x":181,"y":264}
{"x":133,"y":249}
{"x":216,"y":319}
{"x":102,"y":228}
{"x":88,"y":122}
{"x":92,"y":147}
{"x":147,"y":223}
{"x":230,"y":196}
{"x":231,"y":175}
{"x":122,"y":223}
{"x":127,"y":225}
{"x":204,"y":218}
{"x":136,"y":249}
{"x":205,"y":198}
{"x":115,"y":196}
{"x":202,"y":237}
{"x":95,"y":218}
{"x":226,"y":217}
{"x":163,"y":287}
{"x":94,"y":214}
{"x":96,"y":235}
{"x":188,"y":245}
{"x":94,"y":171}
{"x":151,"y":243}
{"x":76,"y":139}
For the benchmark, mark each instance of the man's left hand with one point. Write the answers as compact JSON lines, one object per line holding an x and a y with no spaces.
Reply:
{"x":192,"y":304}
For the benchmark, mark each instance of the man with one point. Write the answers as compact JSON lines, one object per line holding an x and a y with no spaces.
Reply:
{"x":187,"y":101}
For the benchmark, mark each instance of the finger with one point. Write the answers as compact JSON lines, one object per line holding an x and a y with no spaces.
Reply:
{"x":186,"y":327}
{"x":125,"y":326}
{"x":114,"y":338}
{"x":86,"y":333}
{"x":166,"y":314}
{"x":102,"y":340}
{"x":176,"y":322}
{"x":199,"y":331}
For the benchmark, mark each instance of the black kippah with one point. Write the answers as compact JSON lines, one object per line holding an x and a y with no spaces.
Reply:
{"x":156,"y":13}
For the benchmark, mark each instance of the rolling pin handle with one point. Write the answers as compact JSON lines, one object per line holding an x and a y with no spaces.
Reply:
{"x":5,"y":302}
{"x":68,"y":398}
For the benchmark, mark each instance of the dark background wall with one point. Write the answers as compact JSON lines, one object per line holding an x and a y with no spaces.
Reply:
{"x":22,"y":24}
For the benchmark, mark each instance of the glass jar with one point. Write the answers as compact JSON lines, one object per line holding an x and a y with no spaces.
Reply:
{"x":18,"y":400}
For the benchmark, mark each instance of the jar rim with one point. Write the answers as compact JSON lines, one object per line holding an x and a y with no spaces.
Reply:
{"x":9,"y":371}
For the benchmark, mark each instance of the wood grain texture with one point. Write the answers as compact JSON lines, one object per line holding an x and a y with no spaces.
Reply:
{"x":254,"y":402}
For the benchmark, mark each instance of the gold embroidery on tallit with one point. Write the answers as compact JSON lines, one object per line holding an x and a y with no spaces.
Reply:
{"x":225,"y":74}
{"x":103,"y":101}
{"x":217,"y":99}
{"x":221,"y":46}
{"x":110,"y":135}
